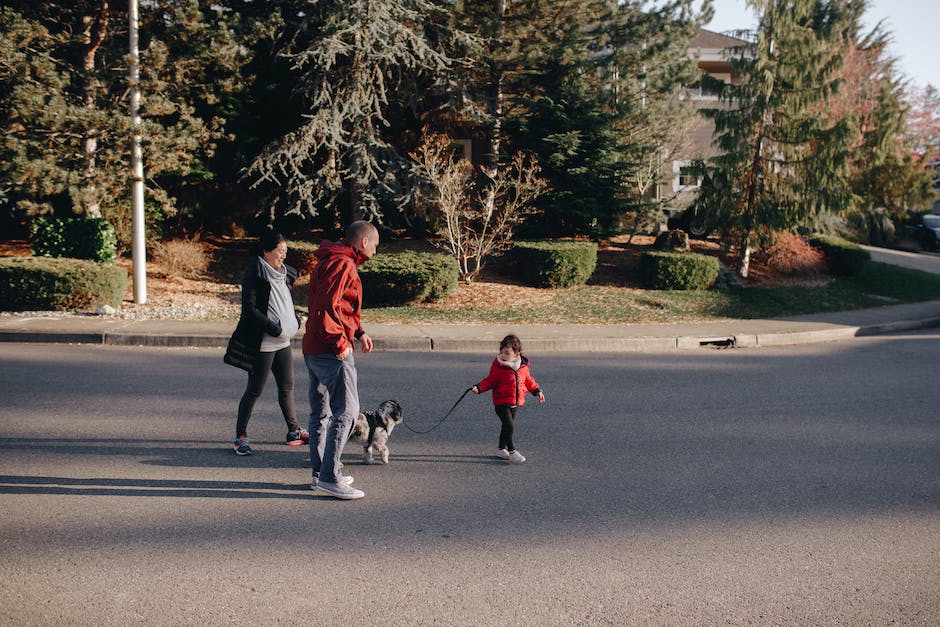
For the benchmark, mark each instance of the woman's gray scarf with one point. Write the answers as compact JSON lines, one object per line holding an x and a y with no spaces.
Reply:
{"x":280,"y":308}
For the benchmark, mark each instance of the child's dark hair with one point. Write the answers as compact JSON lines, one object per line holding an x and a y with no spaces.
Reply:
{"x":267,"y":242}
{"x":513,"y":342}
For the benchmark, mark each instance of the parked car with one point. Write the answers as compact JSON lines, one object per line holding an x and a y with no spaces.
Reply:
{"x":692,"y":222}
{"x":928,"y":232}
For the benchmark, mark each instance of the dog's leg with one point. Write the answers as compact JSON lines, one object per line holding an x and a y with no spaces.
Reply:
{"x":381,"y":445}
{"x":367,"y":454}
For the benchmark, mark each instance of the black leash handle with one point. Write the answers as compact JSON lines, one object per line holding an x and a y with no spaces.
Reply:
{"x":441,"y":421}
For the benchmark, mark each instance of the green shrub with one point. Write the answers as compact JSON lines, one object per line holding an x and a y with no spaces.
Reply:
{"x":554,"y":264}
{"x":395,"y":279}
{"x":42,"y":284}
{"x":674,"y":240}
{"x":727,"y":280}
{"x":300,"y":256}
{"x":843,"y":257}
{"x":677,"y":271}
{"x":77,"y":238}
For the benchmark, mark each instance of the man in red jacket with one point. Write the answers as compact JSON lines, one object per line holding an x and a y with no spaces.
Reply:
{"x":334,"y":304}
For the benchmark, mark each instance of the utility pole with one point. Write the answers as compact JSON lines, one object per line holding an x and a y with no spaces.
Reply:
{"x":138,"y":243}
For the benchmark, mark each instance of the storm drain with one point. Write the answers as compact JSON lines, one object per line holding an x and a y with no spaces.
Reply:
{"x":716,"y":342}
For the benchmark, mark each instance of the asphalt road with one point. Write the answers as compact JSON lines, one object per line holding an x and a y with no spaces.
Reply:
{"x":796,"y":485}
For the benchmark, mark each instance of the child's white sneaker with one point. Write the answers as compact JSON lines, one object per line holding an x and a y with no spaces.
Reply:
{"x":502,"y":453}
{"x":515,"y":458}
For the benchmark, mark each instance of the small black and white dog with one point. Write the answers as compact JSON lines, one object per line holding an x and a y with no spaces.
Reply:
{"x":373,"y":428}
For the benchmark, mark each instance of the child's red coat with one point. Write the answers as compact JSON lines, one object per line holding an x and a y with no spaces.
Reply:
{"x":509,"y":386}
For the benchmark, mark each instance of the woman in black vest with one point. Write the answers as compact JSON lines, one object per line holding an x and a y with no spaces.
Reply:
{"x":261,"y":342}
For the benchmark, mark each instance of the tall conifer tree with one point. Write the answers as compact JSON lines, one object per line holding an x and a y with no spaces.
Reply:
{"x":576,"y":83}
{"x":64,"y":107}
{"x":561,"y":113}
{"x":352,"y":60}
{"x":782,"y":161}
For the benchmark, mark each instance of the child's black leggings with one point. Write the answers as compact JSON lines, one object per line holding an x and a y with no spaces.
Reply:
{"x":507,"y":415}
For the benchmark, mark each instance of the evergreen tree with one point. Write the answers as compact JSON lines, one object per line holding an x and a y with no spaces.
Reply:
{"x":782,"y":161}
{"x":560,"y":112}
{"x":259,"y":110}
{"x":578,"y":84}
{"x":64,"y":107}
{"x":352,"y":61}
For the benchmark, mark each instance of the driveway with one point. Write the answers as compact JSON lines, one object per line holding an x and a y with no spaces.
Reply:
{"x":927,"y":262}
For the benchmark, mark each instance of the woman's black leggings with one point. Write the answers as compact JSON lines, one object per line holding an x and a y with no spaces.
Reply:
{"x":281,"y":364}
{"x":507,"y":415}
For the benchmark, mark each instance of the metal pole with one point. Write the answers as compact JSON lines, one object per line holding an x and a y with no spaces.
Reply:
{"x":138,"y":244}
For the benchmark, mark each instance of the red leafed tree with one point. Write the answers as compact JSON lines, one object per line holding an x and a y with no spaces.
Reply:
{"x":887,"y":166}
{"x":923,"y":122}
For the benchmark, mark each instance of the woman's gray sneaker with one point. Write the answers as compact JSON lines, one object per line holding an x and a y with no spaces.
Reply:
{"x":241,"y":446}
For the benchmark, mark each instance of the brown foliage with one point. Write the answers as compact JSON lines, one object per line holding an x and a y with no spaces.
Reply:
{"x":790,"y":255}
{"x":182,"y":258}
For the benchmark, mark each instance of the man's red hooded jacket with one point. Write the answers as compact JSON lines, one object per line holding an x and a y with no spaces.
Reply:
{"x":334,"y":300}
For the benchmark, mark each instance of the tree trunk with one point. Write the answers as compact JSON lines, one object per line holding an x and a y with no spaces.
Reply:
{"x":353,"y":210}
{"x":494,"y":104}
{"x":745,"y":266}
{"x":94,"y":30}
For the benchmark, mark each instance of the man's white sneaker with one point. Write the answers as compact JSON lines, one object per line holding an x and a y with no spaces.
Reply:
{"x":345,"y":480}
{"x":340,"y":491}
{"x":502,"y":453}
{"x":515,"y":458}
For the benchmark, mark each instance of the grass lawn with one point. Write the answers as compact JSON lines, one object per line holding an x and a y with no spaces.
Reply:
{"x":879,"y":284}
{"x":612,"y":296}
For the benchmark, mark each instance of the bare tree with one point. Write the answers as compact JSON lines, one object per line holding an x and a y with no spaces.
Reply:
{"x":667,"y":142}
{"x":476,"y":221}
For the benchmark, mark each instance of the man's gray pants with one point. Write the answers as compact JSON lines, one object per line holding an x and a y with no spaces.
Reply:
{"x":334,"y":406}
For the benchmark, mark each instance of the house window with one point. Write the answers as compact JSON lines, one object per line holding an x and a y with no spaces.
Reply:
{"x":684,"y":176}
{"x":464,"y":149}
{"x":699,"y":92}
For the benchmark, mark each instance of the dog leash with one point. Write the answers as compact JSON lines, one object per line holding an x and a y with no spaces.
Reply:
{"x":441,"y":421}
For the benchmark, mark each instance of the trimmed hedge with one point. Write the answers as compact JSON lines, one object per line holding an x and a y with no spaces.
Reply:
{"x":843,"y":257}
{"x":678,"y":271}
{"x":394,"y":279}
{"x":61,"y":284}
{"x":75,"y":238}
{"x":554,"y":264}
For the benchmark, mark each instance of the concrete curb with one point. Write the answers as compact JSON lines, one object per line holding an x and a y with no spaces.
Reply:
{"x":463,"y":339}
{"x":51,"y":337}
{"x":901,"y":325}
{"x":575,"y":338}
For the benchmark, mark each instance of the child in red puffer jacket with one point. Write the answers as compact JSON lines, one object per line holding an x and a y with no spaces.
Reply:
{"x":509,"y":379}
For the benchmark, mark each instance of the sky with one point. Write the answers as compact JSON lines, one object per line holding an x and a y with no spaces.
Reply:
{"x":913,"y":24}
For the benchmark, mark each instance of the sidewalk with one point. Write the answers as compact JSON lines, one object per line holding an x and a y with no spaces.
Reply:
{"x":828,"y":327}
